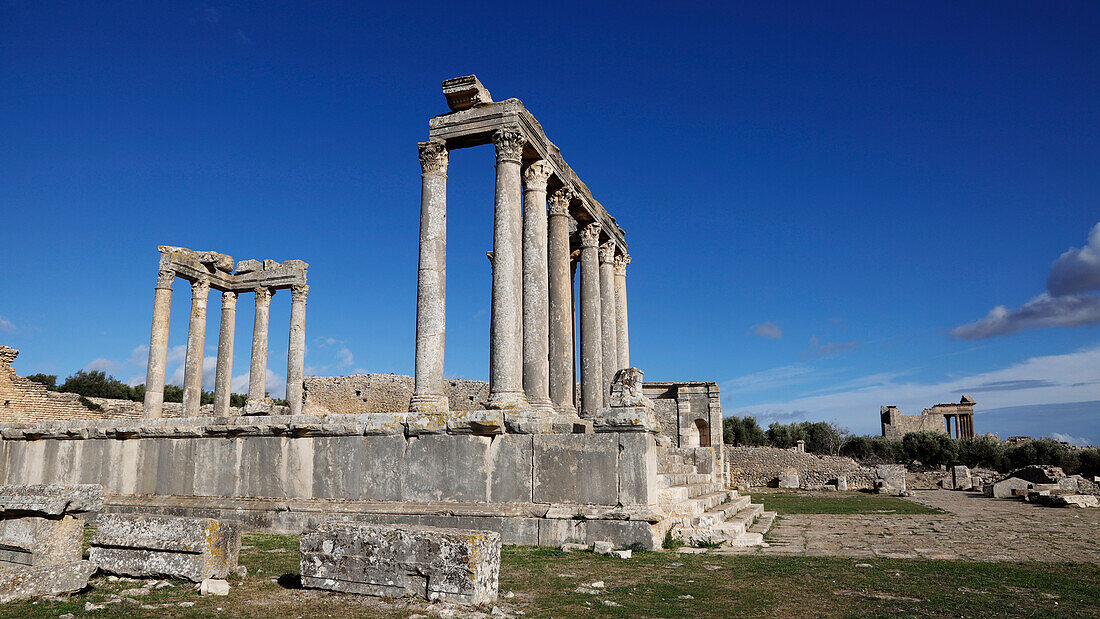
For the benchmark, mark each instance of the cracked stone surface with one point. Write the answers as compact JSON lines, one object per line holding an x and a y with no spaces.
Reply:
{"x":973,"y":528}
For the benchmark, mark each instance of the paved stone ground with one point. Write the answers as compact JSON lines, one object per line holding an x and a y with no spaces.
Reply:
{"x":974,"y":528}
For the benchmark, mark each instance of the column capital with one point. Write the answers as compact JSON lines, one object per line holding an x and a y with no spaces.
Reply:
{"x":165,"y":277}
{"x":590,"y":235}
{"x":263,"y":293}
{"x":559,"y":201}
{"x":536,"y":175}
{"x":621,"y":261}
{"x":200,"y":288}
{"x":229,"y":298}
{"x":433,"y":157}
{"x":299,"y":292}
{"x":607,"y":252}
{"x":509,"y":143}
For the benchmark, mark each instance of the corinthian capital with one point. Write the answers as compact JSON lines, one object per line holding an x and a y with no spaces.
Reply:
{"x":299,"y":292}
{"x":509,"y":142}
{"x":229,"y":298}
{"x":607,"y":252}
{"x":590,"y":235}
{"x":263,"y":294}
{"x":620,"y":263}
{"x":433,"y":157}
{"x":559,"y":202}
{"x":165,"y":277}
{"x":536,"y":175}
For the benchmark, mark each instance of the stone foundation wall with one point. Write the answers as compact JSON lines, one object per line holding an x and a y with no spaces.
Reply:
{"x":762,"y":466}
{"x":382,"y":393}
{"x":288,"y":473}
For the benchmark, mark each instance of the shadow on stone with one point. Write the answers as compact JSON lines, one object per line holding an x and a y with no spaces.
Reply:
{"x":290,"y":581}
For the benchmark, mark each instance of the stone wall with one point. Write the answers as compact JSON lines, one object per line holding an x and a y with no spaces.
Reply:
{"x":383,"y":393}
{"x":25,"y":400}
{"x":762,"y":466}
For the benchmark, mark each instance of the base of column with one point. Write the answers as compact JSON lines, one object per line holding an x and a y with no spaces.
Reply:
{"x":542,"y":405}
{"x":429,"y":403}
{"x":513,"y":401}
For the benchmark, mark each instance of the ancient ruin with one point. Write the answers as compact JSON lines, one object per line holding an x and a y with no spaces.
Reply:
{"x":526,"y":455}
{"x":950,"y":419}
{"x":206,"y":270}
{"x":144,"y":546}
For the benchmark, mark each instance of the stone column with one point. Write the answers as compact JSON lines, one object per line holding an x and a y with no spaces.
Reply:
{"x":431,"y":285}
{"x":591,"y":342}
{"x":536,"y":312}
{"x":257,"y":375}
{"x":622,"y":337}
{"x":158,"y":346}
{"x":296,"y":350}
{"x":506,"y":324}
{"x":560,"y":288}
{"x":223,"y":377}
{"x":608,"y":313}
{"x":196,"y":341}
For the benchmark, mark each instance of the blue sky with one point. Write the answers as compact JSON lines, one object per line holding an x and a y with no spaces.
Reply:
{"x":820,"y":200}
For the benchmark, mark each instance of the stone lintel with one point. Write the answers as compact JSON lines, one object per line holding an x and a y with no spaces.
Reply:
{"x":475,"y":127}
{"x":192,"y":265}
{"x":49,"y":499}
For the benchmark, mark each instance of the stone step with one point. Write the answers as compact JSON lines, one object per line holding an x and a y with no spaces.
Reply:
{"x":718,"y":514}
{"x":681,"y":493}
{"x":736,"y":531}
{"x":763,"y":523}
{"x":663,"y":469}
{"x":694,"y":506}
{"x":682,"y":479}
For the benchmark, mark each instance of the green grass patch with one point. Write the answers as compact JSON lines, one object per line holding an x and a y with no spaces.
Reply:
{"x":798,"y":502}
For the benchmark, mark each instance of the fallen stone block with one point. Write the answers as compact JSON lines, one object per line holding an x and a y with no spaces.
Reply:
{"x":156,"y":546}
{"x":213,"y":586}
{"x":20,"y":583}
{"x":49,"y":499}
{"x":568,"y":547}
{"x":1074,"y":500}
{"x":621,"y":554}
{"x":1005,"y":489}
{"x":392,"y":561}
{"x":842,"y":483}
{"x":603,"y":548}
{"x":34,"y":541}
{"x":960,"y":478}
{"x":789,"y":480}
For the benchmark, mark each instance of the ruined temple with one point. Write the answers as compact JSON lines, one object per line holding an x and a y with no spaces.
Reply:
{"x":952,"y":419}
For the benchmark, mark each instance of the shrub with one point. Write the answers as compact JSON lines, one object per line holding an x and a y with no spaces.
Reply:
{"x":49,"y":380}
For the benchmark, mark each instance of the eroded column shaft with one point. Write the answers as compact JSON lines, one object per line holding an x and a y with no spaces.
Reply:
{"x":506,"y":323}
{"x":296,"y":349}
{"x":431,"y":283}
{"x":608,"y":313}
{"x":196,"y":342}
{"x":622,"y":337}
{"x":536,"y":311}
{"x":158,"y":346}
{"x":560,"y":288}
{"x":223,"y":375}
{"x":257,"y":375}
{"x":591,"y":340}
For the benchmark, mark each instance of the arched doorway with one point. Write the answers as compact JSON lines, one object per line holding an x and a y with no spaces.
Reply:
{"x":703,"y":429}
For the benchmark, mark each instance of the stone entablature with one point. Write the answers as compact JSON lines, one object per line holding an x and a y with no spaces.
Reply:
{"x":205,"y":270}
{"x":938,"y":418}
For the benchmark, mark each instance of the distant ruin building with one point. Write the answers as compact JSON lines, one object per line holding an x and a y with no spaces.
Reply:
{"x":952,"y":419}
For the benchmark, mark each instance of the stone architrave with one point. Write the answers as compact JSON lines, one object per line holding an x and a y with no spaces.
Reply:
{"x":158,"y":546}
{"x":591,"y":344}
{"x":257,"y":376}
{"x":447,"y":565}
{"x":196,"y":343}
{"x":608,"y":316}
{"x":158,"y":346}
{"x":622,"y":336}
{"x":560,"y":287}
{"x":431,"y":287}
{"x":296,"y":350}
{"x":223,"y":376}
{"x":536,"y":313}
{"x":506,"y":321}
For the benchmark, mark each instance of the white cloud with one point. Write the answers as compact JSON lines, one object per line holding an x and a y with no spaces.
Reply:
{"x":782,"y":376}
{"x":1041,"y":312}
{"x":1077,"y":270}
{"x":344,"y":358}
{"x":140,"y":355}
{"x":1072,"y":440}
{"x":1037,"y":381}
{"x":177,"y":354}
{"x":1066,"y":303}
{"x":104,"y":365}
{"x":273,"y":383}
{"x":827,"y":349}
{"x":766,"y":329}
{"x":6,"y":325}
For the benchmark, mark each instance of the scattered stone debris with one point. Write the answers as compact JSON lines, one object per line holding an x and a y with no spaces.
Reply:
{"x":877,"y":595}
{"x":214,"y":586}
{"x":570,"y":547}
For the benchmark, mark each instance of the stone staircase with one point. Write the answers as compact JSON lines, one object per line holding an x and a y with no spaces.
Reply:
{"x":702,"y":510}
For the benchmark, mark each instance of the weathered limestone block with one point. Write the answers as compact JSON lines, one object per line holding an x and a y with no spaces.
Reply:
{"x":436,"y":564}
{"x":1004,"y":489}
{"x":788,"y":480}
{"x":49,"y":500}
{"x":890,"y":479}
{"x":465,"y":92}
{"x":37,"y":541}
{"x":960,"y":478}
{"x":842,"y":483}
{"x":150,"y":546}
{"x":31,"y":581}
{"x":1074,"y":500}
